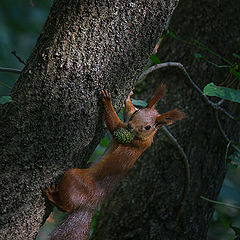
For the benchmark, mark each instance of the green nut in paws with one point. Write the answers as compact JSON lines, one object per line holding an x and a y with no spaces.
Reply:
{"x":123,"y":136}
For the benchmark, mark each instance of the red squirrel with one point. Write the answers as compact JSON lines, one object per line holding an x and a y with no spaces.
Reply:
{"x":81,"y":191}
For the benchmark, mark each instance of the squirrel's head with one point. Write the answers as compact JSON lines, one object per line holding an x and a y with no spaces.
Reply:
{"x":145,"y":122}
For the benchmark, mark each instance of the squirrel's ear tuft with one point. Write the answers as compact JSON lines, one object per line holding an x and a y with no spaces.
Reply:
{"x":160,"y":93}
{"x":169,"y":117}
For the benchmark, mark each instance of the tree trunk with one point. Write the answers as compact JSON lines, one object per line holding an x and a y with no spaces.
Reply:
{"x":55,"y":119}
{"x":144,"y":205}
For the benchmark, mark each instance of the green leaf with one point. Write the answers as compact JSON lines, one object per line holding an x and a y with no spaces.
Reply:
{"x":236,"y":55}
{"x":222,"y":92}
{"x":155,"y":59}
{"x":235,"y":72}
{"x":164,"y":35}
{"x":198,"y":55}
{"x":94,"y":220}
{"x":5,"y":99}
{"x":140,"y":103}
{"x":225,"y":222}
{"x":121,"y":115}
{"x":172,"y":34}
{"x":105,"y":142}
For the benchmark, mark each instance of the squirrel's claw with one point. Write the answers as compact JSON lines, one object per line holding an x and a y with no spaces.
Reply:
{"x":106,"y":95}
{"x":50,"y":190}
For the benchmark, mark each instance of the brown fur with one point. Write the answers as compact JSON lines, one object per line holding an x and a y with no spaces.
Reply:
{"x":81,"y":191}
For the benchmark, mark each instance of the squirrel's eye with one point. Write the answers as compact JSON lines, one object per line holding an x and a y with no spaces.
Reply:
{"x":147,"y":127}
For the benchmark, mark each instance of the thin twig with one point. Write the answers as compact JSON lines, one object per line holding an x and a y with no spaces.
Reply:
{"x":18,"y":58}
{"x":174,"y":141}
{"x":220,"y":203}
{"x":226,"y":153}
{"x":5,"y":85}
{"x":179,"y":65}
{"x":10,"y":70}
{"x":224,"y":134}
{"x":220,"y":102}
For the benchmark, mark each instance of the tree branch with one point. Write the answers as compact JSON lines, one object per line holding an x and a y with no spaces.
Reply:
{"x":224,"y":134}
{"x":174,"y":141}
{"x":179,"y":65}
{"x":216,"y":106}
{"x":18,"y":58}
{"x":10,"y":70}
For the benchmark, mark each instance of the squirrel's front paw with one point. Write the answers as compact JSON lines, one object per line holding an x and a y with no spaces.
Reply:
{"x":106,"y":95}
{"x":49,"y":191}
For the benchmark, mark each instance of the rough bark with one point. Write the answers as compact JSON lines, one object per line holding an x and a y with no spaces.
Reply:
{"x":144,"y":205}
{"x":55,"y":119}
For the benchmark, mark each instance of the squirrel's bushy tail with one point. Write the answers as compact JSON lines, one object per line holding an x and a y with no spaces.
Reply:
{"x":75,"y":226}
